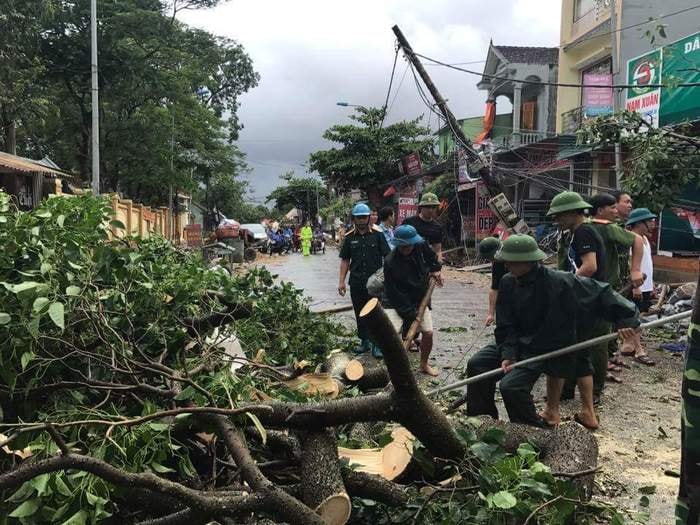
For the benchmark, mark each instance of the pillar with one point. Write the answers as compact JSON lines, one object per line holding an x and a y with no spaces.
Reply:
{"x":517,"y":112}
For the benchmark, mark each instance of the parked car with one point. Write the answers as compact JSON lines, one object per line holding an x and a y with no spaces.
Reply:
{"x":256,"y":236}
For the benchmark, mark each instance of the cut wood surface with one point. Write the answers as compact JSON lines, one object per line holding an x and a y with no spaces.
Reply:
{"x":316,"y":384}
{"x":388,"y":462}
{"x":354,"y":370}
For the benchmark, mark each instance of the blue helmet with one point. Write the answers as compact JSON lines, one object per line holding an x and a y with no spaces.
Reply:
{"x":406,"y":235}
{"x":361,"y":209}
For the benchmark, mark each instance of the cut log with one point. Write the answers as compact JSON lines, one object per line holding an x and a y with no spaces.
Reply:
{"x":354,"y":370}
{"x":316,"y":384}
{"x":322,"y":487}
{"x":389,"y":462}
{"x":568,"y":448}
{"x":335,"y":364}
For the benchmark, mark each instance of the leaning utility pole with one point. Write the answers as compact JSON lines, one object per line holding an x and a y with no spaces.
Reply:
{"x":95,"y":101}
{"x":476,"y":163}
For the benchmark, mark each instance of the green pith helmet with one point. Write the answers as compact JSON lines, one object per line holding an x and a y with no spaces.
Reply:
{"x":639,"y":215}
{"x":520,"y":248}
{"x":429,"y":199}
{"x":489,"y":246}
{"x":567,"y":201}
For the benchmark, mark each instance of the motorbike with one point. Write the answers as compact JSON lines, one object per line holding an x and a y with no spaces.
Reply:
{"x":318,"y":242}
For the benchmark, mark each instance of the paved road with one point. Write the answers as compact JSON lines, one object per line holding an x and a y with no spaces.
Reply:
{"x":459,"y":307}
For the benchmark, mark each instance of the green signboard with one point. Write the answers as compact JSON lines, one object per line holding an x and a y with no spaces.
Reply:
{"x":676,"y":63}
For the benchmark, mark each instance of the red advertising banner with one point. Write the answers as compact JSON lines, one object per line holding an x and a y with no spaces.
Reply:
{"x":408,"y":206}
{"x":412,"y":165}
{"x":486,"y":220}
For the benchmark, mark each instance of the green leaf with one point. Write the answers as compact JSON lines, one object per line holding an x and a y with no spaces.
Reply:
{"x":504,"y":500}
{"x":44,"y":214}
{"x":21,"y":287}
{"x":73,"y":291}
{"x":648,"y":489}
{"x":4,"y":318}
{"x":79,"y":518}
{"x":60,"y":220}
{"x":27,"y":358}
{"x":45,"y":268}
{"x":159,"y":427}
{"x":61,"y":486}
{"x":57,"y":315}
{"x":644,"y":501}
{"x":95,"y":500}
{"x":160,"y":468}
{"x":258,"y":426}
{"x":26,"y":509}
{"x":40,"y":303}
{"x":40,"y":483}
{"x":117,"y":224}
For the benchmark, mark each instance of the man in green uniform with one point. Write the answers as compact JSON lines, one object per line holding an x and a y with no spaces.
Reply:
{"x":487,"y":250}
{"x":426,"y":223}
{"x":537,"y":312}
{"x":362,"y":253}
{"x":617,"y":241}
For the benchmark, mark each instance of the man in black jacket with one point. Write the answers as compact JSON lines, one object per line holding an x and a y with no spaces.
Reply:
{"x":407,"y":271}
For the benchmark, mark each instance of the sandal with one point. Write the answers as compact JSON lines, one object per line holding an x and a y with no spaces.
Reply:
{"x":645,"y":360}
{"x":612,"y":378}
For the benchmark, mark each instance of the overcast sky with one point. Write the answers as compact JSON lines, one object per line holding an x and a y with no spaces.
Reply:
{"x":313,"y":53}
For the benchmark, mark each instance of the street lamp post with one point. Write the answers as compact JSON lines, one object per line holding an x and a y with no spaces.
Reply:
{"x":95,"y":100}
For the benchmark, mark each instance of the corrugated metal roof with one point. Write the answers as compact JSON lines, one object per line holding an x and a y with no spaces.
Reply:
{"x":15,"y":163}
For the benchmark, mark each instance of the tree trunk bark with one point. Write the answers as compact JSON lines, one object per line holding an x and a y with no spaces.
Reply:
{"x":322,"y":486}
{"x":11,"y":137}
{"x":414,"y":410}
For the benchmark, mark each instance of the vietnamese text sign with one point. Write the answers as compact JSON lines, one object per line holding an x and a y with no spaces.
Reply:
{"x":412,"y":165}
{"x":486,"y":220}
{"x":673,"y":64}
{"x":597,"y":101}
{"x":408,"y":206}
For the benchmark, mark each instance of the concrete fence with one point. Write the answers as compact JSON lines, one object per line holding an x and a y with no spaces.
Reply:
{"x":144,"y":221}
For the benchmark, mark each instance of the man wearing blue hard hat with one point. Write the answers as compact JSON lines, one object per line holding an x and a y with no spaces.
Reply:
{"x":407,"y":271}
{"x":362,"y":253}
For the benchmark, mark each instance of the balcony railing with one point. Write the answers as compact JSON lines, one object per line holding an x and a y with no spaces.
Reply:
{"x":571,"y":120}
{"x":523,"y":138}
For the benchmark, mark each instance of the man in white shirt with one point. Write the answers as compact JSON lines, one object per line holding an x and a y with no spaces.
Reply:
{"x":641,"y":221}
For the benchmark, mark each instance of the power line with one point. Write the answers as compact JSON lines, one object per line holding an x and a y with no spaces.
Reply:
{"x":554,"y":84}
{"x":398,"y":89}
{"x":388,"y":93}
{"x":661,"y":17}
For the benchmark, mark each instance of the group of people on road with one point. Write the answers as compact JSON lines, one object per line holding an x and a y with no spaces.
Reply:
{"x":538,"y":310}
{"x":604,"y":255}
{"x":406,"y":259}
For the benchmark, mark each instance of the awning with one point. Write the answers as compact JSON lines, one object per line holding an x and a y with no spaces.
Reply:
{"x":13,"y":163}
{"x":568,"y":147}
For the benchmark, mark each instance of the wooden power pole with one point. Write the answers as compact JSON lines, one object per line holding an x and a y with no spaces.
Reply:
{"x":476,"y":164}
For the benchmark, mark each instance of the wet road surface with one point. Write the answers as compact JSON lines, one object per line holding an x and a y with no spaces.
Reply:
{"x":459,"y":308}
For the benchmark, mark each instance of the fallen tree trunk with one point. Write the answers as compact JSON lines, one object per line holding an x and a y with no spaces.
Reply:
{"x":413,"y":409}
{"x":364,"y":372}
{"x":566,"y":449}
{"x":322,"y":486}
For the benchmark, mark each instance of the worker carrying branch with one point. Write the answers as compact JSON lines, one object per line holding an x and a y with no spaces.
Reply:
{"x":536,"y":312}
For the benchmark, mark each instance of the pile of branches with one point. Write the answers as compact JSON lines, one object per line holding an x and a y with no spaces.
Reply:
{"x":134,"y":390}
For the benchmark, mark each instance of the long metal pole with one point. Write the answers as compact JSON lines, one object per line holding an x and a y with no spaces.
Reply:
{"x":95,"y":100}
{"x":556,"y":353}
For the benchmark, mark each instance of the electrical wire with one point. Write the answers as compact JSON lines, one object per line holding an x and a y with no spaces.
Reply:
{"x":388,"y":92}
{"x":398,"y":89}
{"x":554,"y":84}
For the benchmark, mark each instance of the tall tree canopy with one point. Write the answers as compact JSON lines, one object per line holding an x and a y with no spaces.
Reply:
{"x":304,"y":193}
{"x":369,"y":152}
{"x":168,"y":93}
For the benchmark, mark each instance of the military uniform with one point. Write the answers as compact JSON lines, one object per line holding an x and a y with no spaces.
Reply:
{"x":366,"y":252}
{"x":688,"y":503}
{"x":535,"y":314}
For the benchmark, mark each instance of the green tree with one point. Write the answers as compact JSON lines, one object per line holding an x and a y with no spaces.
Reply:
{"x":168,"y":96}
{"x":660,"y":162}
{"x":307,"y":194}
{"x":369,"y":154}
